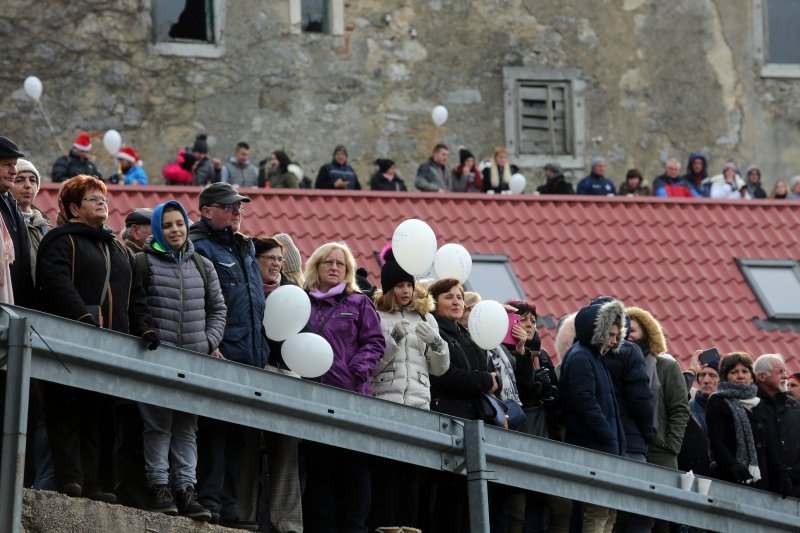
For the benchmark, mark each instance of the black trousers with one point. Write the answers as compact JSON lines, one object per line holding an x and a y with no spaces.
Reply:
{"x":75,"y":420}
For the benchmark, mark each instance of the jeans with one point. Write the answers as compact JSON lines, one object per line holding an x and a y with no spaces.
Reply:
{"x":170,"y":437}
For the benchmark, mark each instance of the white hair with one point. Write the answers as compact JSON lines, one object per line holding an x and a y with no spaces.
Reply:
{"x":765,"y":363}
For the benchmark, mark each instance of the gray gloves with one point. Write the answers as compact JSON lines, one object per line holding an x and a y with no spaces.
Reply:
{"x":429,"y":336}
{"x":400,"y":330}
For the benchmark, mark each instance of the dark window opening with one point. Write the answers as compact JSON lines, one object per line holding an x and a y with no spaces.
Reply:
{"x":776,"y":285}
{"x":314,"y":16}
{"x":191,"y":20}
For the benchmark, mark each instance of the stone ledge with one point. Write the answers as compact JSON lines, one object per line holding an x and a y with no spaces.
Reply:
{"x":51,"y":512}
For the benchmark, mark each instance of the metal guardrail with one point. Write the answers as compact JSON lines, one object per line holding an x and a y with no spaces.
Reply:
{"x":50,"y":348}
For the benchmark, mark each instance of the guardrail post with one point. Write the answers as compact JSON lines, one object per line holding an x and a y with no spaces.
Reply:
{"x":477,"y":477}
{"x":12,"y":468}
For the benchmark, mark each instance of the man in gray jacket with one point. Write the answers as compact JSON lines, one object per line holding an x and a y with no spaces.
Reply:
{"x":432,"y":175}
{"x":238,"y":170}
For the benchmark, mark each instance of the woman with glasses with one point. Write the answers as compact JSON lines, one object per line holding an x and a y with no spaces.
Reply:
{"x":285,"y":505}
{"x":338,"y":488}
{"x":83,"y":273}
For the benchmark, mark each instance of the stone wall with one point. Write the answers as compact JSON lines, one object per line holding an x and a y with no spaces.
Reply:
{"x":662,"y":78}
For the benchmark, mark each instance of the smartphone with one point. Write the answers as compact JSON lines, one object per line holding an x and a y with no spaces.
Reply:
{"x":513,"y":320}
{"x":706,"y":356}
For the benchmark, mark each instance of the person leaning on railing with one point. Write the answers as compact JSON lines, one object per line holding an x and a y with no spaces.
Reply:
{"x":83,"y":273}
{"x":338,"y":486}
{"x":414,"y":352}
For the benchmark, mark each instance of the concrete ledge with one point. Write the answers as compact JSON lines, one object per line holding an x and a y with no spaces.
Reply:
{"x":51,"y":512}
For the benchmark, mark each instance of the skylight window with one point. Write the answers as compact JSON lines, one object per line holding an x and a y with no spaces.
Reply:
{"x":776,"y":285}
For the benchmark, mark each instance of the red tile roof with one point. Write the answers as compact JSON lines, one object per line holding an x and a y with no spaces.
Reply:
{"x":674,"y":257}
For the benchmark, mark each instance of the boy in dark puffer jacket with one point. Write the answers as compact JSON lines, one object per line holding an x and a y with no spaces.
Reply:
{"x":188,"y":311}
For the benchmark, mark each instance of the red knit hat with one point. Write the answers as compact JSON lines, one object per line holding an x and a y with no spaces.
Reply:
{"x":82,"y":142}
{"x":128,"y":154}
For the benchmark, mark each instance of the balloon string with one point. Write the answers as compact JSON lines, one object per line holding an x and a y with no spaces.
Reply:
{"x":50,"y":125}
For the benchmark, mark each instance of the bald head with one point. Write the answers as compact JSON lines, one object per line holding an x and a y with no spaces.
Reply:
{"x":672,"y":167}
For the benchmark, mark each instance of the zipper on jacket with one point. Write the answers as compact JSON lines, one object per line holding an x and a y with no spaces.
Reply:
{"x":180,"y":304}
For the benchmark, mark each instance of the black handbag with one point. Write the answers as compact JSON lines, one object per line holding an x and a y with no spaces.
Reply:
{"x":536,"y":422}
{"x":491,"y":410}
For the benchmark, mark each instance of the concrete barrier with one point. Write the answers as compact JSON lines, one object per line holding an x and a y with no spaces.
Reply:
{"x":51,"y":512}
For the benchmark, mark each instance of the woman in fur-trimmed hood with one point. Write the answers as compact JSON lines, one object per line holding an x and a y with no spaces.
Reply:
{"x":670,"y":397}
{"x":414,"y":352}
{"x":414,"y":349}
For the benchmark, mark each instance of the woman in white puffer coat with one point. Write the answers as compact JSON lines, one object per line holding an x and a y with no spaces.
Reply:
{"x":414,"y":351}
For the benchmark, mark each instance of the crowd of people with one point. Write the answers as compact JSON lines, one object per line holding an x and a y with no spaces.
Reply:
{"x":203,"y":286}
{"x":194,"y":166}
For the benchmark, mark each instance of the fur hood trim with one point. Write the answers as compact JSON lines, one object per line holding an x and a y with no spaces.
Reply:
{"x":421,"y":301}
{"x":651,"y":327}
{"x":593,"y":323}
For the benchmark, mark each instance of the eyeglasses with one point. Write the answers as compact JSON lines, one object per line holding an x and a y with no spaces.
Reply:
{"x":330,"y":263}
{"x":272,"y":258}
{"x":238,"y":206}
{"x":96,"y":198}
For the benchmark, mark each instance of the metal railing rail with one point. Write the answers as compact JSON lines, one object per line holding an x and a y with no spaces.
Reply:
{"x":50,"y":348}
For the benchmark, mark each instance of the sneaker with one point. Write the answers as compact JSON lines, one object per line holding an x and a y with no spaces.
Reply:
{"x":159,"y":500}
{"x":189,"y":506}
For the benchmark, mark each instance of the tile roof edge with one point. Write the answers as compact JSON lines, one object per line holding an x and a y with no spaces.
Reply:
{"x":536,"y":198}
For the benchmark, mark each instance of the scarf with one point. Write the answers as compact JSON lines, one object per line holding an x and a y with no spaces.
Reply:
{"x":335,"y":291}
{"x":738,"y":397}
{"x":502,"y":366}
{"x":269,"y":287}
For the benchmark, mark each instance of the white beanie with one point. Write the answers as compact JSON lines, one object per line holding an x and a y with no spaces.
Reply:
{"x":23,"y":165}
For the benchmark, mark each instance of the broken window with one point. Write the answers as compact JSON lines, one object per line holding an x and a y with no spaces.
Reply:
{"x":187,"y":20}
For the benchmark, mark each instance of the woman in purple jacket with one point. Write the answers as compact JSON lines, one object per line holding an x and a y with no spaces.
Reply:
{"x":337,"y":495}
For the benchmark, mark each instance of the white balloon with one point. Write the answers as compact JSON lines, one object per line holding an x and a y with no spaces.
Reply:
{"x":286,"y":313}
{"x":517,"y":183}
{"x":33,"y":87}
{"x":308,"y":354}
{"x":453,"y":261}
{"x":488,"y":324}
{"x":414,"y":246}
{"x":439,"y":115}
{"x":112,"y":140}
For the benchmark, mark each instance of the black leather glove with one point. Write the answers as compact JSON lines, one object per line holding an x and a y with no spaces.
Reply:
{"x":542,"y":375}
{"x":740,"y":473}
{"x":549,"y":393}
{"x":150,"y":337}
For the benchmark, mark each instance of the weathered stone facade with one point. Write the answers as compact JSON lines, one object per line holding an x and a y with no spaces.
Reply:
{"x":661,"y":78}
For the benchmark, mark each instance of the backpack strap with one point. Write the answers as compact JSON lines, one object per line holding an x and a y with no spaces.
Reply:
{"x":143,"y":268}
{"x":201,"y":267}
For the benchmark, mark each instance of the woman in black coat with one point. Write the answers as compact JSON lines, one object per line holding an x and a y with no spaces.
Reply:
{"x":386,"y":178}
{"x":738,"y":439}
{"x":455,"y":393}
{"x":72,"y":262}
